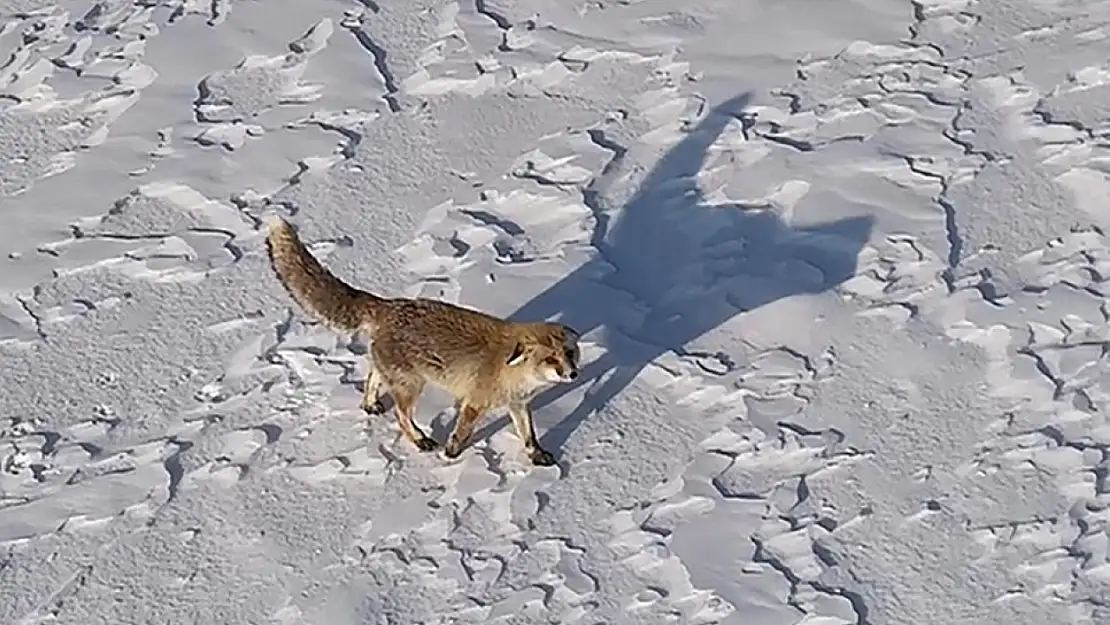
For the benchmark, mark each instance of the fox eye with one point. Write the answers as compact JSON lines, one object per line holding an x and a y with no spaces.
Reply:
{"x":551,"y":360}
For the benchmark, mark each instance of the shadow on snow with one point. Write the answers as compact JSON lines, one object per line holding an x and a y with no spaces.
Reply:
{"x":691,"y":264}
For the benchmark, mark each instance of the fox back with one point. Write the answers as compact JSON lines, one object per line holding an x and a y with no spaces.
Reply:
{"x":471,"y":354}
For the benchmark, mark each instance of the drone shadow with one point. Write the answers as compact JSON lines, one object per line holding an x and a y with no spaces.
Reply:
{"x":690,"y":264}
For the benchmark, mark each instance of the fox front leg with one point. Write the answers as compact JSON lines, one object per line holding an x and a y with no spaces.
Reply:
{"x":522,"y":423}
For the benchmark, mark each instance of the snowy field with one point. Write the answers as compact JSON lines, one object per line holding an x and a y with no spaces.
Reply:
{"x":839,"y":266}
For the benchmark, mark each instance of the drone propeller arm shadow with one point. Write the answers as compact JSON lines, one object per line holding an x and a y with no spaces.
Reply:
{"x":692,"y":264}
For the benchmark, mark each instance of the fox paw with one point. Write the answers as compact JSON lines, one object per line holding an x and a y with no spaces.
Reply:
{"x":425,"y":444}
{"x":376,"y":407}
{"x":452,"y":450}
{"x":541,"y":457}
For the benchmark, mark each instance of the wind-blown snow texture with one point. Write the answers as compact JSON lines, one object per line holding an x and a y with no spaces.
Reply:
{"x":840,"y":269}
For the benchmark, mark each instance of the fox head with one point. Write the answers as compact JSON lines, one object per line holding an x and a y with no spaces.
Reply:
{"x":551,"y":352}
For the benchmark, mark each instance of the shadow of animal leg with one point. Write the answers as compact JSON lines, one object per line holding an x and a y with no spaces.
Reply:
{"x":588,"y":375}
{"x":621,"y":377}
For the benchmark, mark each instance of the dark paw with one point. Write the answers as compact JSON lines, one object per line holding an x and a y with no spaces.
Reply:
{"x":452,"y":450}
{"x":425,"y":444}
{"x":541,"y":458}
{"x":376,"y":408}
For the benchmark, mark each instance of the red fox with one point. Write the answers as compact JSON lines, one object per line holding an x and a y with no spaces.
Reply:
{"x":485,"y":362}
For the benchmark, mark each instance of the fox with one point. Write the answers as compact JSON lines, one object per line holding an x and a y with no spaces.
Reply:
{"x":484,"y":362}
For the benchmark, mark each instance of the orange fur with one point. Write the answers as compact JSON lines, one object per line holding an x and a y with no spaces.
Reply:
{"x":484,"y":362}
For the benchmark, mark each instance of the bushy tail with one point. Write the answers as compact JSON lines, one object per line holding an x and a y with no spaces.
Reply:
{"x":316,"y":289}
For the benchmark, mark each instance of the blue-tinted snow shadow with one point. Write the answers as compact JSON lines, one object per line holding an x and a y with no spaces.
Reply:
{"x":692,"y":264}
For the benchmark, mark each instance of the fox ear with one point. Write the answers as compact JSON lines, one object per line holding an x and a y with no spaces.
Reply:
{"x":517,"y":356}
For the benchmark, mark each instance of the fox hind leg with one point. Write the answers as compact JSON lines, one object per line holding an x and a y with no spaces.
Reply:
{"x":468,"y":415}
{"x":372,"y":400}
{"x":405,"y":392}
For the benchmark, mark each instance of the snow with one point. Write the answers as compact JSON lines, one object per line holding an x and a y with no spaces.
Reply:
{"x":840,"y":271}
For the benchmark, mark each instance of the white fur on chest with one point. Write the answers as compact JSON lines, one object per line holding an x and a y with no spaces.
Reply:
{"x":529,"y":388}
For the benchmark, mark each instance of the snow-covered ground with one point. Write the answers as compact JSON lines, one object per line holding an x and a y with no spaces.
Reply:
{"x":840,"y":268}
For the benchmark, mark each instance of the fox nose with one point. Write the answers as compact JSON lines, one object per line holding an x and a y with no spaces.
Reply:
{"x":572,"y":375}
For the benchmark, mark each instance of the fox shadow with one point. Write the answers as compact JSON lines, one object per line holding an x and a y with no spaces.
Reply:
{"x":690,"y":266}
